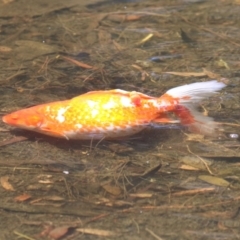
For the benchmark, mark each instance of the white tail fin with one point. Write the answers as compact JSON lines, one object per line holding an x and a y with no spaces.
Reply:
{"x":188,"y":97}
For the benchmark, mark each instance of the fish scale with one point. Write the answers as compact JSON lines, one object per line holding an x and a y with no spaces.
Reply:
{"x":118,"y":120}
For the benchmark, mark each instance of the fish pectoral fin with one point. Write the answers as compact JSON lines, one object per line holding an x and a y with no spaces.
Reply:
{"x":50,"y":132}
{"x":165,"y":118}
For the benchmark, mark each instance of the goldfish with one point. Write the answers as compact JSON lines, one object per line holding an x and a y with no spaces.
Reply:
{"x":112,"y":114}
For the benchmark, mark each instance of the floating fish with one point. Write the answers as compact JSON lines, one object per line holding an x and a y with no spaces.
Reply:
{"x":117,"y":113}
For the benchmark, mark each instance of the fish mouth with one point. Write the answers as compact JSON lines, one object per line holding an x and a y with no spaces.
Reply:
{"x":4,"y":119}
{"x":9,"y":119}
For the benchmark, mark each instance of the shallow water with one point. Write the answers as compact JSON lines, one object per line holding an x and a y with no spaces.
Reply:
{"x":164,"y":183}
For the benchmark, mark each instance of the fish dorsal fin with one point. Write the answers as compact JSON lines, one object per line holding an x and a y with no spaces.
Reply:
{"x":120,"y":92}
{"x":102,"y":92}
{"x":126,"y":93}
{"x":134,"y":98}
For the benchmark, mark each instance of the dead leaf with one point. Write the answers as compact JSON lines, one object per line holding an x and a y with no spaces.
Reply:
{"x":189,"y":168}
{"x":152,"y":170}
{"x":141,"y":195}
{"x":45,"y":181}
{"x":188,"y":74}
{"x":47,"y":229}
{"x":99,"y":232}
{"x":194,"y":191}
{"x":222,"y":63}
{"x":123,"y":17}
{"x":132,"y":17}
{"x":196,"y":162}
{"x":212,"y":149}
{"x":53,"y":198}
{"x":78,"y":63}
{"x":5,"y":49}
{"x":5,"y":184}
{"x":22,"y":198}
{"x":7,"y":1}
{"x":58,"y":232}
{"x":114,"y":190}
{"x":214,"y":180}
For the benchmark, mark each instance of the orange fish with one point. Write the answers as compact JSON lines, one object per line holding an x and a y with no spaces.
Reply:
{"x":116,"y":113}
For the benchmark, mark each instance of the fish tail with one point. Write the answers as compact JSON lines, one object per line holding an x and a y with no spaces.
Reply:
{"x":184,"y":100}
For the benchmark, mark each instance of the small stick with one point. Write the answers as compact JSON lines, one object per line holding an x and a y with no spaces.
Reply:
{"x":207,"y":167}
{"x":153,"y":234}
{"x":13,"y":140}
{"x":23,"y":235}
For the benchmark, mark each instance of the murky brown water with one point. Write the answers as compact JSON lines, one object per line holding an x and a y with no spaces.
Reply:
{"x":162,"y":184}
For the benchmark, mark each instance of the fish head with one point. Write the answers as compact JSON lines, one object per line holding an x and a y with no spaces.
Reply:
{"x":27,"y":118}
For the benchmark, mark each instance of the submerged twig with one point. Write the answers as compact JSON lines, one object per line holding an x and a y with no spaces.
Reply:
{"x":153,"y":234}
{"x":207,"y":167}
{"x":13,"y":140}
{"x":78,"y":63}
{"x":21,"y":235}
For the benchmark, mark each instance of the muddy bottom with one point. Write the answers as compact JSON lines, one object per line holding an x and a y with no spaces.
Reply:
{"x":163,"y":183}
